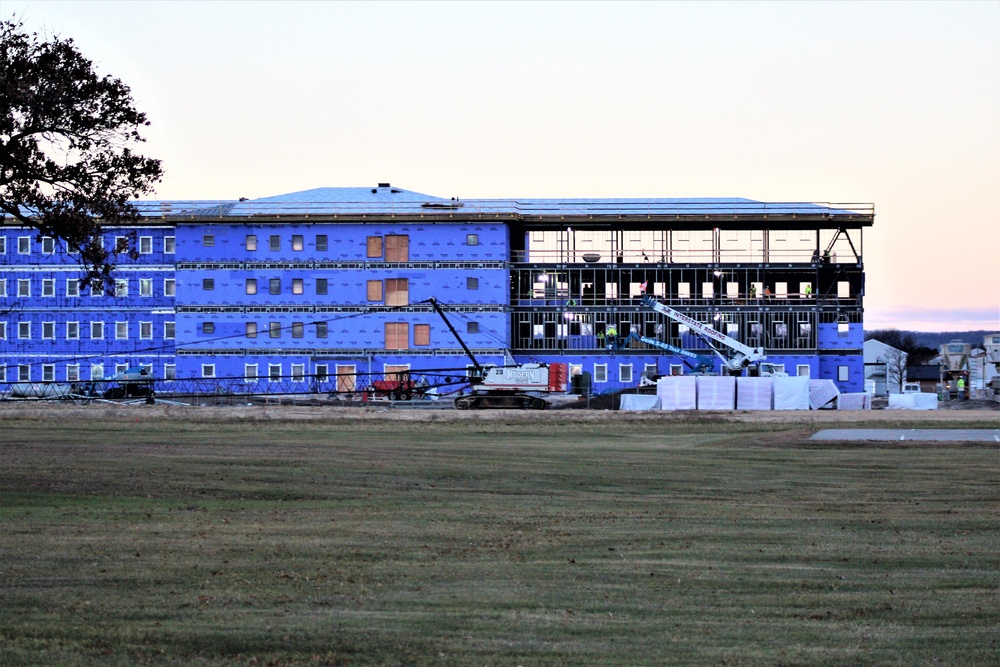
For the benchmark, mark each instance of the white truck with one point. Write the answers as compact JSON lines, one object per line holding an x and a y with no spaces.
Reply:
{"x":740,"y":356}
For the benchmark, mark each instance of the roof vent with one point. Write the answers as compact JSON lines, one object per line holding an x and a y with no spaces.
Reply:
{"x":383,"y":185}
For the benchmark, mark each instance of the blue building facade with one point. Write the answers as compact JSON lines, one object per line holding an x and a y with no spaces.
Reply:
{"x":323,"y":289}
{"x":52,"y":329}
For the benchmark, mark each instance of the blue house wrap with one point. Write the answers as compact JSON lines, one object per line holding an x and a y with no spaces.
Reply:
{"x":327,"y":284}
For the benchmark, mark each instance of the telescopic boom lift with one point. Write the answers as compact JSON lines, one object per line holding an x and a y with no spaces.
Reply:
{"x":742,"y":356}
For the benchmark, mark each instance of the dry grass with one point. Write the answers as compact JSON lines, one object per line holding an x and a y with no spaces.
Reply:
{"x":504,"y":540}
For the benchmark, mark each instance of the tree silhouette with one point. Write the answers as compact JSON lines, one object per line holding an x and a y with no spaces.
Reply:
{"x":66,"y":168}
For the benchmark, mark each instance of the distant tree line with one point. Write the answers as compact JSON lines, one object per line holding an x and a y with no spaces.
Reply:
{"x":906,"y":341}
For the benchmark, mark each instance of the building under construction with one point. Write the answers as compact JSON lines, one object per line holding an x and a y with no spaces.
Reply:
{"x":316,"y":289}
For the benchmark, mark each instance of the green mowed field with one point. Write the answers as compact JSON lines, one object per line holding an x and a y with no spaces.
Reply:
{"x":534,"y":540}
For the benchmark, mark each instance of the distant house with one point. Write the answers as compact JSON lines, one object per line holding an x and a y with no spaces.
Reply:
{"x":927,"y":375}
{"x":885,"y":365}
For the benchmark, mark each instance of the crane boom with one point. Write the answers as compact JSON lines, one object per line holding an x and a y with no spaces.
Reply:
{"x":478,"y":374}
{"x":743,"y":356}
{"x":703,"y":364}
{"x":525,"y":386}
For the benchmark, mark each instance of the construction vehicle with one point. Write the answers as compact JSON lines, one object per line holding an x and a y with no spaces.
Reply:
{"x":701,"y":364}
{"x":517,"y":386}
{"x":133,"y":382}
{"x":742,"y":357}
{"x":398,"y":386}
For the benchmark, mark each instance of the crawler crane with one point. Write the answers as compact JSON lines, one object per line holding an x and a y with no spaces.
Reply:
{"x":520,"y":386}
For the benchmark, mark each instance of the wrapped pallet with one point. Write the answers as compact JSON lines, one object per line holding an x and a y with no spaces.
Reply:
{"x":639,"y":402}
{"x":862,"y":401}
{"x":677,"y":392}
{"x":791,"y":393}
{"x":821,"y":392}
{"x":716,"y":393}
{"x":754,"y":393}
{"x":913,"y":402}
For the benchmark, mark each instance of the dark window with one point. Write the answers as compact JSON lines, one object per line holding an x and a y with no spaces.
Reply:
{"x":321,"y":242}
{"x":208,"y":327}
{"x":321,"y":286}
{"x":275,"y":285}
{"x":208,"y":284}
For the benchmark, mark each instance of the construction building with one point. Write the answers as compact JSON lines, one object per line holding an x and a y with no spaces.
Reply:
{"x":317,"y":289}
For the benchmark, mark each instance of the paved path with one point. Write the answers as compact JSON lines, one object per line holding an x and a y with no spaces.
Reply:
{"x":923,"y":434}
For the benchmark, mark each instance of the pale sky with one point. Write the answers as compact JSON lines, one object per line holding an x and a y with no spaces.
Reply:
{"x":891,"y":103}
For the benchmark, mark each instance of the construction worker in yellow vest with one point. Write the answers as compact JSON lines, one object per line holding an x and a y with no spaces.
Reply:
{"x":809,"y":290}
{"x":612,"y":335}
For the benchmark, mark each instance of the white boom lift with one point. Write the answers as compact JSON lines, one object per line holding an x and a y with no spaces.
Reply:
{"x":743,"y":356}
